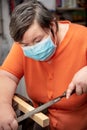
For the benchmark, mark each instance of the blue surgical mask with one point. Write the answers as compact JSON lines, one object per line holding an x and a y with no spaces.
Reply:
{"x":41,"y":51}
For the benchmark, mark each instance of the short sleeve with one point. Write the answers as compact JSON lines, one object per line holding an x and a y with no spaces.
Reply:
{"x":14,"y":61}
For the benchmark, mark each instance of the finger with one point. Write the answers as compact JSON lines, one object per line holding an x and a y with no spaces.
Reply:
{"x":79,"y":90}
{"x":6,"y":127}
{"x":85,"y":89}
{"x":1,"y":128}
{"x":70,"y":89}
{"x":14,"y":125}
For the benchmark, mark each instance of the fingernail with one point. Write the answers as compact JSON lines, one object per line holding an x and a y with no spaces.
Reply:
{"x":67,"y":97}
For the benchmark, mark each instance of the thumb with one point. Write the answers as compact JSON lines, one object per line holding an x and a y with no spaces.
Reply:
{"x":70,"y":89}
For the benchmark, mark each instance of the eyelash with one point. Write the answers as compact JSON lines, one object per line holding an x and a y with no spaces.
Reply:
{"x":23,"y":45}
{"x":35,"y":42}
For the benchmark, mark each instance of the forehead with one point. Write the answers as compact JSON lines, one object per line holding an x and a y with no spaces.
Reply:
{"x":33,"y":31}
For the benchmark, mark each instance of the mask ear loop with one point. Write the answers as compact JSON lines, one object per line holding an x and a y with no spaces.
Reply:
{"x":55,"y":37}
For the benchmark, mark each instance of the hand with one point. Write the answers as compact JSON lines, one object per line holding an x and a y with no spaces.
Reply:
{"x":78,"y":83}
{"x":7,"y":117}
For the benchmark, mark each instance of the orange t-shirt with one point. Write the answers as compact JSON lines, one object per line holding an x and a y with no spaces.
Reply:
{"x":47,"y":80}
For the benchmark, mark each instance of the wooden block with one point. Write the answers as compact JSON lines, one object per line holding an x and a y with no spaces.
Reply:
{"x":40,"y":118}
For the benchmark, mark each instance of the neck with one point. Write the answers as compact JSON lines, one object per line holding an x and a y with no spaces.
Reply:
{"x":63,"y":28}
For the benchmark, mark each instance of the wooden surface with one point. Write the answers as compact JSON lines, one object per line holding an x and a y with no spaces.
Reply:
{"x":40,"y":118}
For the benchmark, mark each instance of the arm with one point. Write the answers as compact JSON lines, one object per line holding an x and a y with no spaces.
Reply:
{"x":78,"y":83}
{"x":8,"y":84}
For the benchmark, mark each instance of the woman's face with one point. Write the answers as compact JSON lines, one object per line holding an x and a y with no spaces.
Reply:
{"x":35,"y":34}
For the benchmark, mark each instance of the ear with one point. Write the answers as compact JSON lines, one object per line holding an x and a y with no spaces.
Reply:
{"x":53,"y":27}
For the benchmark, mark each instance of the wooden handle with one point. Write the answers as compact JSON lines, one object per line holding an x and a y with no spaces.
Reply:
{"x":40,"y":118}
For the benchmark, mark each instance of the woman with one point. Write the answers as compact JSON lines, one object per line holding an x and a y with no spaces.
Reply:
{"x":52,"y":57}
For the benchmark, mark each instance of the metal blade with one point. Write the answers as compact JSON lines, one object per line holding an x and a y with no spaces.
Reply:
{"x":40,"y":108}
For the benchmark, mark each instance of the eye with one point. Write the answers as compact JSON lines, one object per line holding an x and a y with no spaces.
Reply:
{"x":36,"y":40}
{"x":23,"y":45}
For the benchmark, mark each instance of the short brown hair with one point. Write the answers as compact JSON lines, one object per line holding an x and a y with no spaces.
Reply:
{"x":24,"y":15}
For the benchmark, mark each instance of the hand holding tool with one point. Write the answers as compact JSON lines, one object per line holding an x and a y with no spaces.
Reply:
{"x":41,"y":108}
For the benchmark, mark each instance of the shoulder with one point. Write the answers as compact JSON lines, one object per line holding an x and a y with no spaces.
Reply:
{"x":78,"y":27}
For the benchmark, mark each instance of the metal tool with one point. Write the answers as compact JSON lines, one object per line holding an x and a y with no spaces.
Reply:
{"x":41,"y":108}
